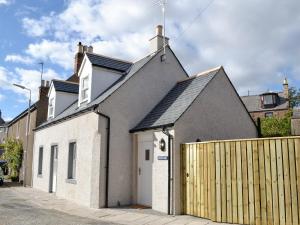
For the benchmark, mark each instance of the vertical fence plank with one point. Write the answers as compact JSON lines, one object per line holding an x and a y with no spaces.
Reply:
{"x":199,"y":179}
{"x":287,"y":186}
{"x":269,"y":182}
{"x":195,"y":177}
{"x":192,"y":179}
{"x":256,"y":183}
{"x":183,"y":182}
{"x":245,"y":182}
{"x":228,"y":183}
{"x":280,"y":183}
{"x":297,"y":155}
{"x":218,"y":184}
{"x":291,"y":149}
{"x":250,"y":182}
{"x":188,"y":175}
{"x":213,"y":192}
{"x":262,"y":181}
{"x":223,"y":182}
{"x":205,"y":179}
{"x":208,"y":179}
{"x":275,"y":195}
{"x":234,"y":183}
{"x":201,"y":182}
{"x":239,"y":183}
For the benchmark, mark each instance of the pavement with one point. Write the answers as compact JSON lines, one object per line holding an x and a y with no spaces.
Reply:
{"x":19,"y":205}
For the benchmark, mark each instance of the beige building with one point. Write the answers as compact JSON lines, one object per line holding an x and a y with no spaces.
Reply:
{"x":118,"y":142}
{"x":295,"y":123}
{"x":16,"y":128}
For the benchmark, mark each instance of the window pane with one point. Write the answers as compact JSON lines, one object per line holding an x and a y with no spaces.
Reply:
{"x":147,"y":154}
{"x":268,"y":100}
{"x":40,"y":165}
{"x":72,"y":161}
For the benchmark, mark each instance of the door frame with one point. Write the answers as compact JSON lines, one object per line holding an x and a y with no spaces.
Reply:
{"x":52,"y":167}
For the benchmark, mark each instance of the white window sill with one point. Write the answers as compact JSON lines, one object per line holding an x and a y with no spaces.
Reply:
{"x":40,"y":175}
{"x":71,"y":181}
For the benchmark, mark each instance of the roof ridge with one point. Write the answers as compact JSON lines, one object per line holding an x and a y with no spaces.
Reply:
{"x":109,"y":57}
{"x":201,"y":73}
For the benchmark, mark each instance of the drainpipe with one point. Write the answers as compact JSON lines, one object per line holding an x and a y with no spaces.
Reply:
{"x":170,"y":179}
{"x":107,"y":156}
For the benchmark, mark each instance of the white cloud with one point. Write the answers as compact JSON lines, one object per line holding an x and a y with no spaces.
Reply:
{"x":2,"y":97}
{"x":5,"y":2}
{"x":59,"y":53}
{"x":18,"y":59}
{"x":256,"y":41}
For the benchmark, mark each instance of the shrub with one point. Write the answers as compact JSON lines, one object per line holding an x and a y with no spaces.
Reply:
{"x":276,"y":127}
{"x":13,"y":151}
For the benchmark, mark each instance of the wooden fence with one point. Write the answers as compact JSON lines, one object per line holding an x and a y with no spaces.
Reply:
{"x":254,"y":181}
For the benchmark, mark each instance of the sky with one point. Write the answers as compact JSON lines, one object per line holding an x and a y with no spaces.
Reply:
{"x":256,"y":41}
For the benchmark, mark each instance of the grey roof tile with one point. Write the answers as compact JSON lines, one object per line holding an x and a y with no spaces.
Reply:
{"x":176,"y":102}
{"x":66,"y":86}
{"x":109,"y":63}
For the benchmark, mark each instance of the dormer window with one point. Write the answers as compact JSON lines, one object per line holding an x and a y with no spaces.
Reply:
{"x":51,"y":108}
{"x":84,"y":89}
{"x":269,"y":100}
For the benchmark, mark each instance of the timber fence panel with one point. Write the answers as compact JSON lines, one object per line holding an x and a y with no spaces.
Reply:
{"x":251,"y":181}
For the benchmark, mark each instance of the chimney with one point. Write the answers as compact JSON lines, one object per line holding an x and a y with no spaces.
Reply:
{"x":157,"y":42}
{"x":285,"y":88}
{"x":78,"y":57}
{"x":90,"y":49}
{"x":42,"y":104}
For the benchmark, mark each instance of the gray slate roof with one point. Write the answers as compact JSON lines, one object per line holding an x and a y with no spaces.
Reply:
{"x":73,"y":109}
{"x":66,"y":86}
{"x":176,"y":102}
{"x":109,"y":63}
{"x":253,"y":103}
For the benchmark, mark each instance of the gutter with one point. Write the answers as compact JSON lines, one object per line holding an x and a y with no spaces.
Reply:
{"x":170,"y":179}
{"x":107,"y":154}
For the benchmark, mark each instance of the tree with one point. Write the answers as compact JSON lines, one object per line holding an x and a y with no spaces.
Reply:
{"x":294,"y":97}
{"x":13,"y":152}
{"x":276,"y":127}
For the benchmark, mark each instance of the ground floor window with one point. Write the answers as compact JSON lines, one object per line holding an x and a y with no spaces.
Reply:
{"x":40,"y":165}
{"x":72,"y":161}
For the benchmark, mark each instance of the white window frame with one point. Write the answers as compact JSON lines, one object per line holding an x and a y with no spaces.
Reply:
{"x":51,"y":108}
{"x":85,"y":87}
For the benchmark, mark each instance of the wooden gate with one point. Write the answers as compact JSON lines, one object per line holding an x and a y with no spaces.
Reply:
{"x":253,"y":181}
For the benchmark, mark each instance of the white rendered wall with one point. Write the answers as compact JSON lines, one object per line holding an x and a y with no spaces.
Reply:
{"x":83,"y":130}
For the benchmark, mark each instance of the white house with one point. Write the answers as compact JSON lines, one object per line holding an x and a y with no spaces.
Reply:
{"x":118,"y":142}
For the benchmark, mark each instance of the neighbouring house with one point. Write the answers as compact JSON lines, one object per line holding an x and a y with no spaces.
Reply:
{"x":16,"y":128}
{"x":268,"y":104}
{"x":295,"y":123}
{"x":3,"y":132}
{"x":3,"y":128}
{"x":116,"y":139}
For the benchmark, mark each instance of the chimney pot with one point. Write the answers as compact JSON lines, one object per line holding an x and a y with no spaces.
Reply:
{"x":159,"y":30}
{"x":90,"y":49}
{"x":85,"y":48}
{"x":80,"y":48}
{"x":285,"y":88}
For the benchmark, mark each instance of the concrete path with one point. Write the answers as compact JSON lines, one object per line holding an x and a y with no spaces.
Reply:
{"x":67,"y":212}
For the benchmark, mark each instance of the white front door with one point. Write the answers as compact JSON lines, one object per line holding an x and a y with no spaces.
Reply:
{"x":145,"y":160}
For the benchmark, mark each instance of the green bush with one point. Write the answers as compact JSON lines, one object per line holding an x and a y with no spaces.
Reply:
{"x":13,"y":152}
{"x":276,"y":127}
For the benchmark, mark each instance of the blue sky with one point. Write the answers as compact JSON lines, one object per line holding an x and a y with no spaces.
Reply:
{"x":257,"y":42}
